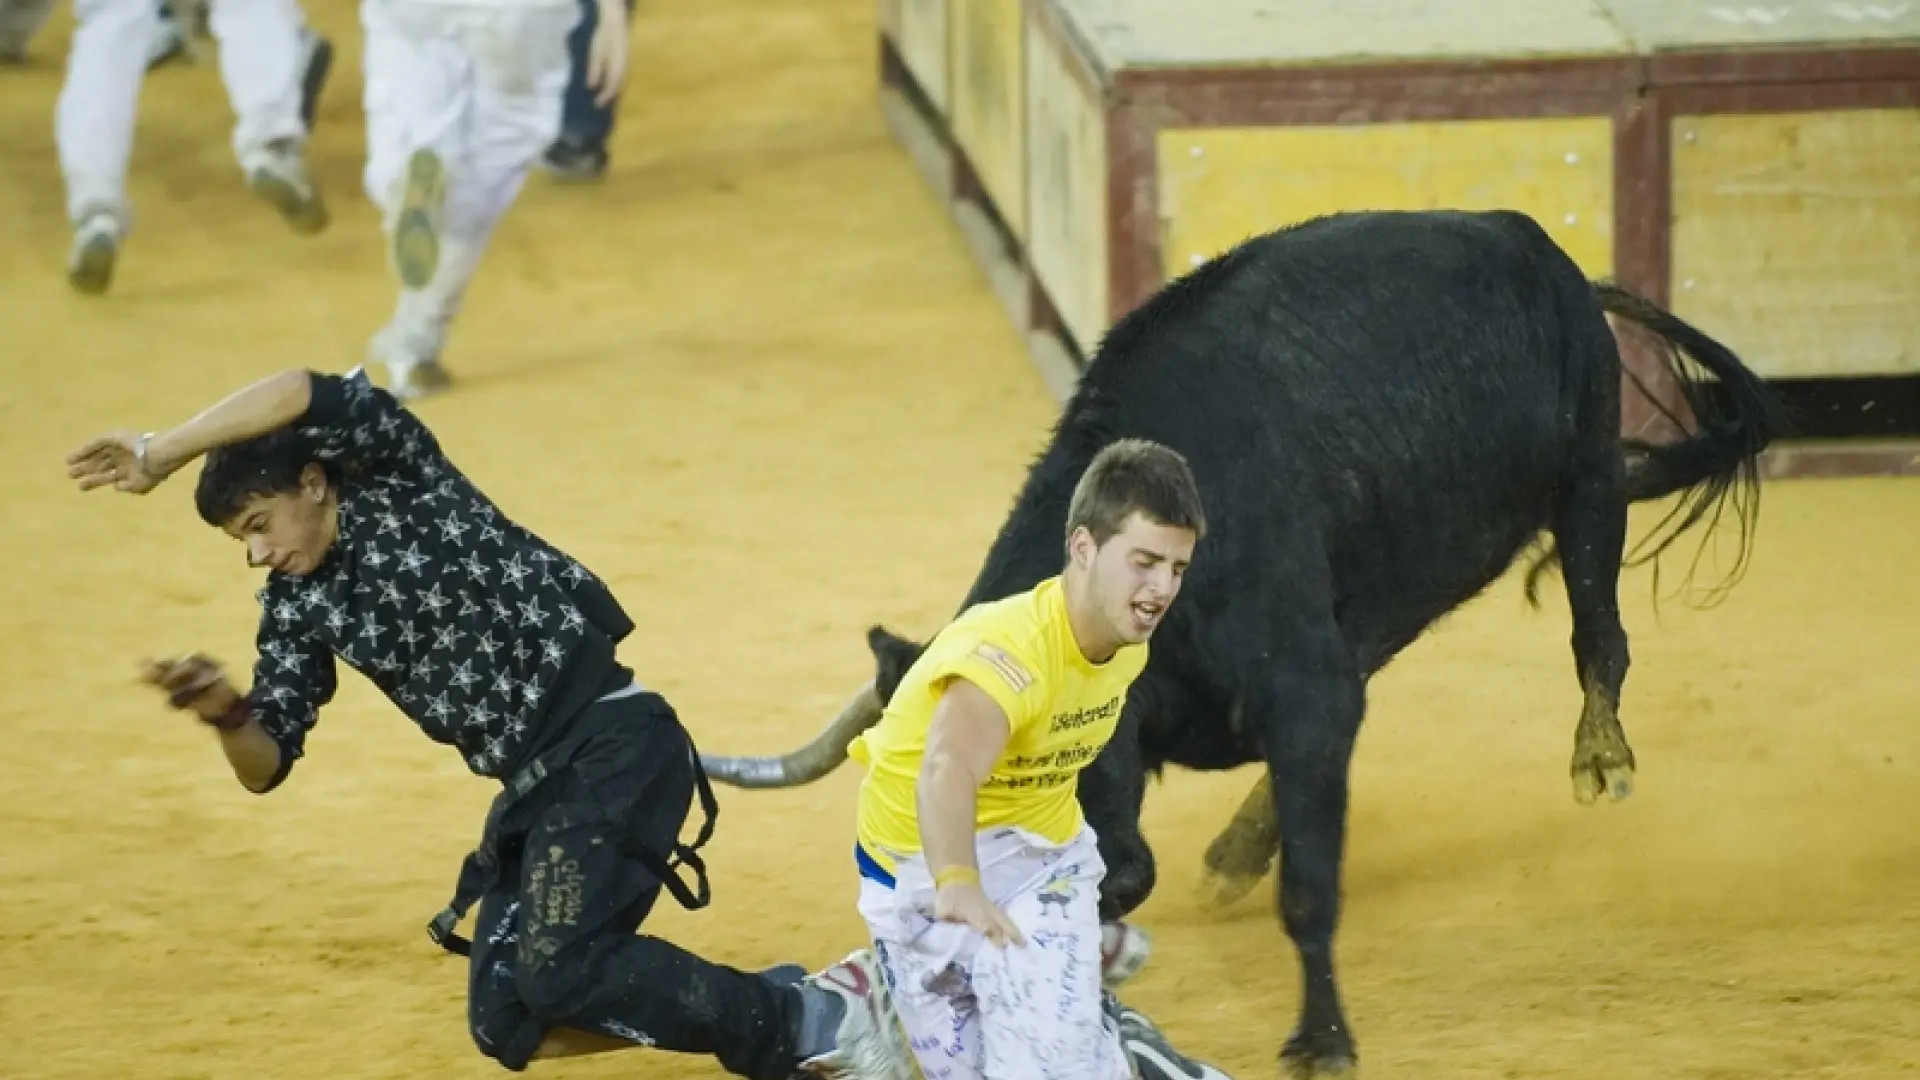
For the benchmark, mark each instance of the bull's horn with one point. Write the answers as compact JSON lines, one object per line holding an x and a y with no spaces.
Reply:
{"x":807,"y":764}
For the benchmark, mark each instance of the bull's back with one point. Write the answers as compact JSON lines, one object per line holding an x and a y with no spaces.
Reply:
{"x":1394,"y":383}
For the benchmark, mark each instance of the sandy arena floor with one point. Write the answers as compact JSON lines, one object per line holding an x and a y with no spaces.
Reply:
{"x":756,"y":382}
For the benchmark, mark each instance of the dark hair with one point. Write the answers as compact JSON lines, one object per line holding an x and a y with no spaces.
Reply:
{"x":263,"y":466}
{"x":1135,"y":476}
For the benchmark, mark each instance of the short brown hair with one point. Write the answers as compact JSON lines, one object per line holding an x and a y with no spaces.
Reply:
{"x":1135,"y":476}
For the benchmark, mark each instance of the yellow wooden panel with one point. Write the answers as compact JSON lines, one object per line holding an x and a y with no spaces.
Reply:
{"x":986,"y":72}
{"x":1066,"y":190}
{"x":1220,"y":186}
{"x":1796,"y":238}
{"x":922,"y":40}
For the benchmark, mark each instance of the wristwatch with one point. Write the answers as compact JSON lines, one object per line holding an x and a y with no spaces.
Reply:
{"x":140,"y":452}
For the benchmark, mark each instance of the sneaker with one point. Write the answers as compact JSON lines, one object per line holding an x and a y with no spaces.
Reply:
{"x":416,"y":228}
{"x":848,"y":1030}
{"x":277,"y":174}
{"x":410,"y":374}
{"x":1123,"y":952}
{"x":96,"y":245}
{"x":317,"y":53}
{"x":784,"y":974}
{"x":1152,"y":1056}
{"x":574,"y":160}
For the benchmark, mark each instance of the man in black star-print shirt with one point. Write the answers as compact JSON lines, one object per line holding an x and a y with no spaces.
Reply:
{"x":383,"y":555}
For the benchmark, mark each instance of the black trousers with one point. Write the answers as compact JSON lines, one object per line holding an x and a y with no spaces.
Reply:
{"x":555,"y":938}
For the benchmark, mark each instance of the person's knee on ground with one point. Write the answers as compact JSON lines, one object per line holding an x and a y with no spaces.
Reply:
{"x":502,"y":1026}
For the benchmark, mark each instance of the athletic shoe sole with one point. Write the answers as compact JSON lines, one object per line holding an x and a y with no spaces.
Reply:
{"x":416,"y":235}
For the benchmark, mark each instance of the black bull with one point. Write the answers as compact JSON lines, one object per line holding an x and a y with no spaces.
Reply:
{"x":1382,"y":411}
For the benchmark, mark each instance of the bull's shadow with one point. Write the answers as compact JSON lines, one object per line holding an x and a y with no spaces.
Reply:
{"x":1383,"y":411}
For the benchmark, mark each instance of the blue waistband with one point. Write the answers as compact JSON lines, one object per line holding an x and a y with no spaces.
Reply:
{"x":870,"y":869}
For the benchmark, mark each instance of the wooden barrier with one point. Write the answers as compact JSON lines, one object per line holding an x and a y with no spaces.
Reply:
{"x":1756,"y":168}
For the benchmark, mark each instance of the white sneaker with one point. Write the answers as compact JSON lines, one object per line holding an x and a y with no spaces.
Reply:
{"x":411,"y":373}
{"x":867,"y":1041}
{"x":96,"y":245}
{"x":1124,"y":949}
{"x":1153,"y":1057}
{"x":277,"y":173}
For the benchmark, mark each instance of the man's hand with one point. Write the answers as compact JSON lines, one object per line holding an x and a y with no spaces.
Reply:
{"x":196,"y":683}
{"x":607,"y":53}
{"x":966,"y":902}
{"x":118,"y":459}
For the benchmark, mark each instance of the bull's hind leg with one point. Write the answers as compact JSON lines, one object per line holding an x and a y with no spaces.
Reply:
{"x":1590,"y":530}
{"x":1242,"y":854}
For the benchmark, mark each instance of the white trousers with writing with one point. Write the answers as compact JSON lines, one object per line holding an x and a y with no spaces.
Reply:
{"x":974,"y":1011}
{"x":260,"y":58}
{"x":482,"y":86}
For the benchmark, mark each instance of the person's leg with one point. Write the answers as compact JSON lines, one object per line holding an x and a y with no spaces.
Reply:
{"x":455,"y":190}
{"x":926,"y":966}
{"x":264,"y":65}
{"x":580,"y":152}
{"x":419,"y":97}
{"x":1044,"y":1006}
{"x":579,"y":962}
{"x":93,"y":130}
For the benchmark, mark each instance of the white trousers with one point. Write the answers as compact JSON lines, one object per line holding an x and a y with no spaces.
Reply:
{"x":260,"y":64}
{"x":973,"y":1011}
{"x":482,"y":86}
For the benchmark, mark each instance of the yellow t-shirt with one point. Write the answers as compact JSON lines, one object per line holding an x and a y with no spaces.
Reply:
{"x":1061,"y":710}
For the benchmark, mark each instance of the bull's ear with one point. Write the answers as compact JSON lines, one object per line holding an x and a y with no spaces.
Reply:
{"x":893,"y":655}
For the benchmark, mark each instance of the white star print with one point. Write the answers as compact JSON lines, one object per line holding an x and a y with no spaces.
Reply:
{"x":432,"y":600}
{"x":451,"y":528}
{"x":530,"y":613}
{"x":514,"y":572}
{"x":411,"y":560}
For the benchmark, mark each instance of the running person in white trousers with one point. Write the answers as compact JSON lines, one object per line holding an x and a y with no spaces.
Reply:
{"x":262,"y":62}
{"x":462,"y":97}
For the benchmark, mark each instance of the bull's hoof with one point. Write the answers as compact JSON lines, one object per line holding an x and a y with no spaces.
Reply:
{"x":1317,"y":1054}
{"x":1218,"y":890}
{"x":1602,"y":762}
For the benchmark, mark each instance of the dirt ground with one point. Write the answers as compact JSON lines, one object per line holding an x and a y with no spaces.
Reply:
{"x":754,"y":380}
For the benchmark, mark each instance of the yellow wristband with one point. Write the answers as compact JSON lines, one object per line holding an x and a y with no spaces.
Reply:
{"x":952,"y":874}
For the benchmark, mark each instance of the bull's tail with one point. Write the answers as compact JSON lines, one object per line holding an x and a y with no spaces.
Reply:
{"x":1713,"y":466}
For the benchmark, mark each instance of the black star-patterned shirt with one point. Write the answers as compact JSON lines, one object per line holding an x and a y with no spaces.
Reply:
{"x":486,"y":636}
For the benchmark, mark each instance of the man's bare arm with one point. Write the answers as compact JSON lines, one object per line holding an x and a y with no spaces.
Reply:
{"x":967,"y":736}
{"x":266,"y":405}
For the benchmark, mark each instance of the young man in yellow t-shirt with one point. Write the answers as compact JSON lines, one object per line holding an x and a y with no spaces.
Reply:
{"x":980,"y":876}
